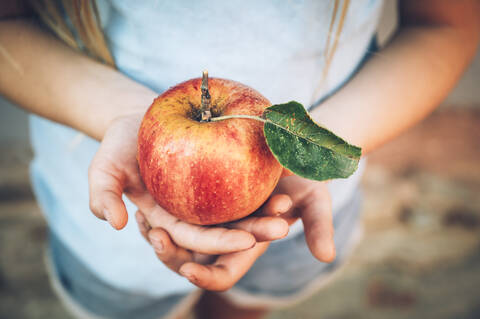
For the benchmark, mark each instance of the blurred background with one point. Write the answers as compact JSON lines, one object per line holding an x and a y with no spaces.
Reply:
{"x":419,"y":258}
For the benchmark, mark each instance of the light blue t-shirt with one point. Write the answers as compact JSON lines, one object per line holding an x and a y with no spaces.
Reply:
{"x":275,"y":47}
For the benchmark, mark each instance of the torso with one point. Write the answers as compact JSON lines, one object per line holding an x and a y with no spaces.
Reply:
{"x":276,"y":49}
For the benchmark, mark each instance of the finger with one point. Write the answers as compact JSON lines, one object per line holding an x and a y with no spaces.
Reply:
{"x":263,"y":228}
{"x":201,"y":239}
{"x":276,"y":205}
{"x":318,"y":225}
{"x":143,"y":225}
{"x":210,"y":240}
{"x":105,"y":191}
{"x":169,"y":253}
{"x":225,"y":272}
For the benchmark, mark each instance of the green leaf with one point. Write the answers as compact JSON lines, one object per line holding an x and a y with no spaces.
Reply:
{"x":304,"y":147}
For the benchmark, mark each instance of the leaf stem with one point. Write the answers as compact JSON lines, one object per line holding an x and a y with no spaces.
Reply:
{"x":237,"y":116}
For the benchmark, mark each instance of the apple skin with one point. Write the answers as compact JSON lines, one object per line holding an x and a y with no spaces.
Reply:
{"x":207,"y":172}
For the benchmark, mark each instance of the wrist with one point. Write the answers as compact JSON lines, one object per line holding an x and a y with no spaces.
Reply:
{"x":131,"y":102}
{"x":336,"y":115}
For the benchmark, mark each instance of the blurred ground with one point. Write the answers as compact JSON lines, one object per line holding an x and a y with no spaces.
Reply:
{"x":420,"y":257}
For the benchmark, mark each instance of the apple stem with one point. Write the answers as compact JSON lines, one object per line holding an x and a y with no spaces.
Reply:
{"x":206,"y":111}
{"x":205,"y":108}
{"x":237,"y":116}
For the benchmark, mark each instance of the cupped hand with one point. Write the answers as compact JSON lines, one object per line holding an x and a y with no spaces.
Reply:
{"x":216,"y":271}
{"x":114,"y":172}
{"x":293,"y":198}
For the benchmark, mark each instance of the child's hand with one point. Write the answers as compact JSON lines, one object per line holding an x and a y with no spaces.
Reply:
{"x":311,"y":203}
{"x":211,"y":271}
{"x":114,"y":171}
{"x":295,"y":196}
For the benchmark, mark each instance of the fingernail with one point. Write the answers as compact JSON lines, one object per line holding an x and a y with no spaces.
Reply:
{"x":190,"y":277}
{"x":146,"y":225}
{"x":108,"y":216}
{"x":157,"y":244}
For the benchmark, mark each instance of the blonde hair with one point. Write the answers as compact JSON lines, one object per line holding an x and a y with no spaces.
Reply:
{"x":330,"y":49}
{"x":87,"y":34}
{"x":330,"y":52}
{"x":86,"y":22}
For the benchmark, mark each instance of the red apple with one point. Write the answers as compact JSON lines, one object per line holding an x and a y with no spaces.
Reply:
{"x":207,"y":172}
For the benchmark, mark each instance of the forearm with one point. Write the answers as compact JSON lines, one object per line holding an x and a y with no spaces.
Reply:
{"x":400,"y":85}
{"x":44,"y":76}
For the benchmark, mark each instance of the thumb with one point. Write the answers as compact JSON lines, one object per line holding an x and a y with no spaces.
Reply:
{"x":276,"y":205}
{"x":279,"y":205}
{"x":318,"y":225}
{"x":105,"y":190}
